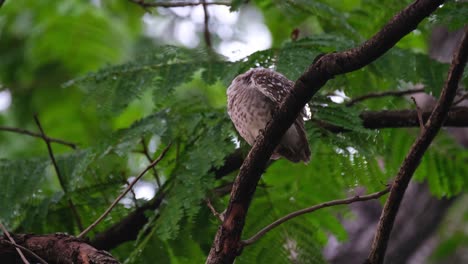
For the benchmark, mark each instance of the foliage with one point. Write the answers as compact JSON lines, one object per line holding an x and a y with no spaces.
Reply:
{"x":169,"y":95}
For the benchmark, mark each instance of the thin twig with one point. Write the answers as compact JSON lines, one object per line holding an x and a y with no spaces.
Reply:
{"x":148,"y":156}
{"x":27,"y":250}
{"x":59,"y":175}
{"x":383,"y":94}
{"x":420,"y":115}
{"x":129,"y":187}
{"x":145,"y":4}
{"x":20,"y":253}
{"x":292,"y":215}
{"x":34,"y":134}
{"x":220,"y":216}
{"x":135,"y":200}
{"x":206,"y":29}
{"x":461,"y":99}
{"x":415,"y":154}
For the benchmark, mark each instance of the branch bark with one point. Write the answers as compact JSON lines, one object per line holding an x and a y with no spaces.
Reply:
{"x":7,"y":234}
{"x":227,"y":245}
{"x":416,"y":152}
{"x":55,"y":248}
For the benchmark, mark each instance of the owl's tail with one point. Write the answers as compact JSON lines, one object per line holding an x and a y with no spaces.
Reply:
{"x":294,"y":145}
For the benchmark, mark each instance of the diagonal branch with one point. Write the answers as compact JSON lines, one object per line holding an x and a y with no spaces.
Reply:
{"x":129,"y":187}
{"x":292,"y":215}
{"x":7,"y":234}
{"x":59,"y":175}
{"x":227,"y":245}
{"x":416,"y":152}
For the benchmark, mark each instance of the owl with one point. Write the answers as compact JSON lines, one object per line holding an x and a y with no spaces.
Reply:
{"x":252,"y":98}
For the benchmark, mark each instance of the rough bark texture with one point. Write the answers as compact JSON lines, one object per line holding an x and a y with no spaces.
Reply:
{"x":226,"y":245}
{"x":55,"y":248}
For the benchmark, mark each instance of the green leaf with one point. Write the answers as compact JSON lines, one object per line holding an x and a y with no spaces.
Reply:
{"x":20,"y":181}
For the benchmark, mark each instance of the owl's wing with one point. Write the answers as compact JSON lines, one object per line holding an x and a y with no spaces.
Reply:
{"x":273,"y":85}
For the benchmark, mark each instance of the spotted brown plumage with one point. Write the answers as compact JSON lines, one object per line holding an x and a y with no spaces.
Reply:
{"x":252,"y":98}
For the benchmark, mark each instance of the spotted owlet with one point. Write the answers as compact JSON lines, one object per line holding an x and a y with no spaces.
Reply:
{"x":252,"y":98}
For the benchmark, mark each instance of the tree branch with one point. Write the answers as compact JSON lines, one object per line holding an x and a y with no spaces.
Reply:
{"x":32,"y":254}
{"x":7,"y":234}
{"x":55,"y":248}
{"x":59,"y":175}
{"x":226,"y":245}
{"x":38,"y":135}
{"x":206,"y":29}
{"x":416,"y":152}
{"x":383,"y":94}
{"x":129,"y":187}
{"x":292,"y":215}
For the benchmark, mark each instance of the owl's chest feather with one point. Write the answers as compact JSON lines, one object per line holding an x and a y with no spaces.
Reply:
{"x":250,"y":111}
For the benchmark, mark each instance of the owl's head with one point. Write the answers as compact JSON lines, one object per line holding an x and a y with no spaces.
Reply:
{"x":243,"y":80}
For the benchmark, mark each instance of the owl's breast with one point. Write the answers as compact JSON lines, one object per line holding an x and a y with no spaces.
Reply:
{"x":250,"y":111}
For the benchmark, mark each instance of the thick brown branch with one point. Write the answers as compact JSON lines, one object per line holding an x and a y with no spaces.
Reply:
{"x":59,"y":175}
{"x":32,"y":254}
{"x":226,"y":245}
{"x":292,"y":215}
{"x":383,"y":94}
{"x":38,"y":135}
{"x":416,"y":152}
{"x":55,"y":248}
